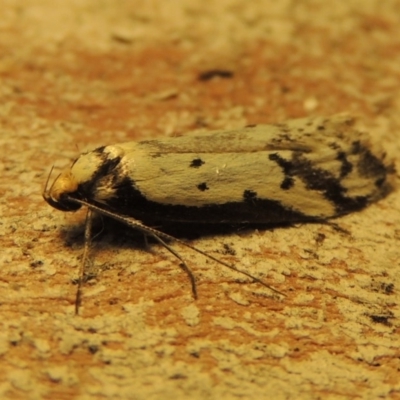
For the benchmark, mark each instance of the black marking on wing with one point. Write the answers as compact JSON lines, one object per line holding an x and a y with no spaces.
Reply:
{"x":323,"y":181}
{"x":202,"y":186}
{"x":287,"y":183}
{"x":196,"y":163}
{"x":347,"y":166}
{"x":320,"y":180}
{"x":287,"y":167}
{"x":130,"y":201}
{"x":369,"y":165}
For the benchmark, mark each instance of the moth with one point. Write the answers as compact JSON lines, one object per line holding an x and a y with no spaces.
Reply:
{"x":301,"y":170}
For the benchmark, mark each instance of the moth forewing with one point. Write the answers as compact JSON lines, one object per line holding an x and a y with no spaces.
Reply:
{"x":308,"y":169}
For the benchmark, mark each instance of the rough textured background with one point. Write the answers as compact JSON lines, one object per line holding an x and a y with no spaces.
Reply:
{"x":77,"y":74}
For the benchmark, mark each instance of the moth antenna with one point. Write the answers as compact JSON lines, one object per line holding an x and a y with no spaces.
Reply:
{"x":158,"y":235}
{"x":230,"y":266}
{"x":183,"y":264}
{"x":45,"y":191}
{"x":88,"y":239}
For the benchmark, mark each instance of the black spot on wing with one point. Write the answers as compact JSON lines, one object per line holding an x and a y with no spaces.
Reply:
{"x":287,"y":183}
{"x":196,"y":163}
{"x":202,"y":186}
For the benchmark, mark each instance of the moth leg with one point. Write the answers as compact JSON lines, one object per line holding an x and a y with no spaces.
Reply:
{"x":146,"y":242}
{"x":158,"y":235}
{"x":88,"y":240}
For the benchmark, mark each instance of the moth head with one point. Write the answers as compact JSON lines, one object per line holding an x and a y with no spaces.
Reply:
{"x":89,"y":178}
{"x":63,"y":186}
